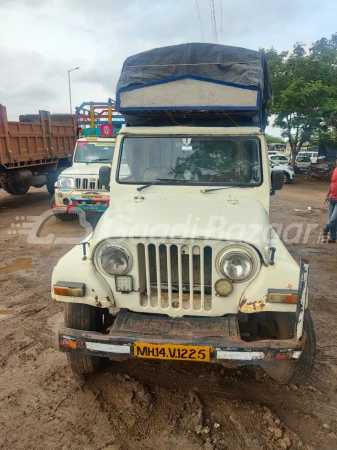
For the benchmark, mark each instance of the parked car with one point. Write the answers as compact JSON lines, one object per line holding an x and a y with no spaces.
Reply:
{"x":302,"y":163}
{"x":312,"y":155}
{"x":279,"y":158}
{"x":289,"y":173}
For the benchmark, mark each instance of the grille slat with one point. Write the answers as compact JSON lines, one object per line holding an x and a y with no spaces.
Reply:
{"x":158,"y":275}
{"x":88,"y":183}
{"x":180,"y":280}
{"x":202,"y":279}
{"x":169,"y":274}
{"x":147,"y":272}
{"x":190,"y":266}
{"x":175,"y":276}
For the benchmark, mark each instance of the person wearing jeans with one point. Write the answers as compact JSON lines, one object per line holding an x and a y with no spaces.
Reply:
{"x":331,"y":198}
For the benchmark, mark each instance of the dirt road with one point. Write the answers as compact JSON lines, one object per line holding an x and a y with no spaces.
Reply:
{"x":145,"y":404}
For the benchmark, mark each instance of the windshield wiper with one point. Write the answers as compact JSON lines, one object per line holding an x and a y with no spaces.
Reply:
{"x":161,"y":181}
{"x":204,"y":191}
{"x":148,"y":185}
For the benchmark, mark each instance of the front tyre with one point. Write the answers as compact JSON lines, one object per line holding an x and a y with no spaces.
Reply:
{"x":295,"y":371}
{"x":88,"y":318}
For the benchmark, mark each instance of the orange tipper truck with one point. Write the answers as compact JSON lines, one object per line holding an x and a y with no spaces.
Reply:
{"x":35,"y":150}
{"x":184,"y":264}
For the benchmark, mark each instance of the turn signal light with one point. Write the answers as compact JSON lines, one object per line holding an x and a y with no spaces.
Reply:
{"x":68,"y":289}
{"x":283,"y":297}
{"x":291,"y":299}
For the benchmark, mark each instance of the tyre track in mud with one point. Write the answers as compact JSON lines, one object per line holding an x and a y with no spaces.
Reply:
{"x":150,"y":404}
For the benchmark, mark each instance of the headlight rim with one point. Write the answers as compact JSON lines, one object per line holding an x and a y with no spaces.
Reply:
{"x":72,"y":183}
{"x":104,"y":245}
{"x":247,"y":251}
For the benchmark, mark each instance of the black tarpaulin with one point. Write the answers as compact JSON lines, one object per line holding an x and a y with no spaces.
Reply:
{"x":209,"y":61}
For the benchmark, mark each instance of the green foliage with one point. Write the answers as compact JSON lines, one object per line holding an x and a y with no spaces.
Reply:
{"x":274,"y":140}
{"x":304,"y":90}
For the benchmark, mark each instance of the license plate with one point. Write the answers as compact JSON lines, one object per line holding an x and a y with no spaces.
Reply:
{"x":91,"y":196}
{"x":176,"y":352}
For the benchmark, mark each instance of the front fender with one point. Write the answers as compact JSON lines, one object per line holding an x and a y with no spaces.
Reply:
{"x":283,"y":275}
{"x":72,"y":268}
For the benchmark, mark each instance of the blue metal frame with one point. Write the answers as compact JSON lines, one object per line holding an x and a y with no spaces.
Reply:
{"x":116,"y":123}
{"x":188,"y":108}
{"x":117,"y":119}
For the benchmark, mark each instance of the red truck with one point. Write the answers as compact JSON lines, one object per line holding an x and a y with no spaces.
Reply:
{"x":35,"y":150}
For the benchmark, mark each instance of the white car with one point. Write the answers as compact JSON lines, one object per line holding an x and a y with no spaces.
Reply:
{"x":312,"y":155}
{"x":302,"y":163}
{"x":282,"y":159}
{"x":289,"y":173}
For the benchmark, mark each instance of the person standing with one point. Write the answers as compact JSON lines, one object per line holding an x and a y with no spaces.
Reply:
{"x":331,"y":198}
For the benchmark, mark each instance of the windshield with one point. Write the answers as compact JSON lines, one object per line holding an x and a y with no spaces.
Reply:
{"x":87,"y":152}
{"x":195,"y":160}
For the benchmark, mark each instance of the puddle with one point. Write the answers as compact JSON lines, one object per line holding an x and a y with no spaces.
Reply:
{"x":17,"y":264}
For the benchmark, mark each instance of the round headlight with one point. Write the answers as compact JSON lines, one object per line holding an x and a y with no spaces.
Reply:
{"x":114,"y":261}
{"x":237,"y":266}
{"x":65,"y":182}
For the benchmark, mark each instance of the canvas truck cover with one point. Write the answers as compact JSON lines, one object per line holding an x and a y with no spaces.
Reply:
{"x":209,"y":84}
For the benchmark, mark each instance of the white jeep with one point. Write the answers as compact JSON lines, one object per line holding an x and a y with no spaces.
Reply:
{"x":78,"y":188}
{"x":185,"y":265}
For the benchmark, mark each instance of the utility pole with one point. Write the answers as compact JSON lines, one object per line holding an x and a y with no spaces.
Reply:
{"x":71,"y":70}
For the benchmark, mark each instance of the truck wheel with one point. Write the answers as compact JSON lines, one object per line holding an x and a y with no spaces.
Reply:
{"x":82,"y":317}
{"x":295,"y":371}
{"x":63,"y":216}
{"x":18,"y":187}
{"x":6,"y":188}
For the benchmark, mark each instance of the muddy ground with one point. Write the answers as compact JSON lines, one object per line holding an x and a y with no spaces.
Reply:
{"x":149,"y":404}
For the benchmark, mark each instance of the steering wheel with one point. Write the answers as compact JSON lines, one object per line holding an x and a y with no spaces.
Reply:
{"x":162,"y":170}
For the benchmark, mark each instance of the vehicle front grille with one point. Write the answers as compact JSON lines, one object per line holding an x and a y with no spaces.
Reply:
{"x":175,"y":276}
{"x":91,"y":184}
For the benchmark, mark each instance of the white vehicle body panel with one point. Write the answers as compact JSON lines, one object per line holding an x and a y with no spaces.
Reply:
{"x":186,"y":217}
{"x":85,"y":176}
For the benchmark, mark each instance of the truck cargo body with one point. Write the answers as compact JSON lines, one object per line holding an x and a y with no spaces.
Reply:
{"x":32,"y":153}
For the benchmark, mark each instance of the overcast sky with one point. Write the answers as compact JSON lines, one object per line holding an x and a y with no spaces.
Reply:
{"x":40,"y":40}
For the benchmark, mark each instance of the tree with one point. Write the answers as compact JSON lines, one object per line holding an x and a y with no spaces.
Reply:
{"x":304,"y":90}
{"x":274,"y":140}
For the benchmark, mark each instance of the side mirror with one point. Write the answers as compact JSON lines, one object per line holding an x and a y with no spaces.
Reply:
{"x":70,"y":159}
{"x":104,"y":176}
{"x":277,"y":180}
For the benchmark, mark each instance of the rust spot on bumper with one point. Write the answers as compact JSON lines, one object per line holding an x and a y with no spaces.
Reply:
{"x":251,"y":307}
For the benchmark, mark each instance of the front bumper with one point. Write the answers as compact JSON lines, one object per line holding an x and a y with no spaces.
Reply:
{"x":221,"y":334}
{"x":78,"y":204}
